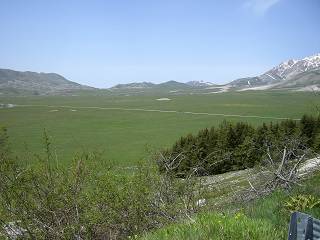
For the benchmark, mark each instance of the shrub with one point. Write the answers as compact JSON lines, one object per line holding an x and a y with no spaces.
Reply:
{"x":85,"y":201}
{"x":237,"y":146}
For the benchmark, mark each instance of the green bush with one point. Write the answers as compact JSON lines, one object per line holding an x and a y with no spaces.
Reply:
{"x":238,"y":146}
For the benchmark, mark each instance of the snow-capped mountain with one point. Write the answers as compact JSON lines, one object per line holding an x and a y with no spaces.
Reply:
{"x":291,"y":68}
{"x":285,"y":71}
{"x":200,"y":83}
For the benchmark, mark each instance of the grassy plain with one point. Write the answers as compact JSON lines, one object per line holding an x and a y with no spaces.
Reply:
{"x":126,"y":136}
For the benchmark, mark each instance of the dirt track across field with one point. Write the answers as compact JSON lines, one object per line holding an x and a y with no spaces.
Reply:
{"x":161,"y":111}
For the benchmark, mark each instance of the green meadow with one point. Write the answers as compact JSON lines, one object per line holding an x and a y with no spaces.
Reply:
{"x":124,"y":130}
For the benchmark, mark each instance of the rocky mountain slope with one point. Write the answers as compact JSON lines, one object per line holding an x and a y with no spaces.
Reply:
{"x":36,"y":83}
{"x":294,"y":74}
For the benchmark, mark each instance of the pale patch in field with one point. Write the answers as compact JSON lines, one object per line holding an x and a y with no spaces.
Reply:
{"x":201,"y":202}
{"x":240,"y":105}
{"x":312,"y":88}
{"x":163,"y":99}
{"x":54,"y":110}
{"x":8,"y":105}
{"x":220,"y":89}
{"x":265,"y":87}
{"x":309,"y":165}
{"x":73,"y":110}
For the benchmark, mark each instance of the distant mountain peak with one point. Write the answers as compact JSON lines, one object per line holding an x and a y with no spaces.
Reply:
{"x":291,"y":68}
{"x":36,"y":83}
{"x":200,"y":83}
{"x":172,"y":84}
{"x":134,"y":85}
{"x":287,"y":64}
{"x":284,"y":72}
{"x":280,"y":70}
{"x":315,"y":57}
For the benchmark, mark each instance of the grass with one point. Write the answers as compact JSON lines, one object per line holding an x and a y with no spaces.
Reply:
{"x":266,"y":218}
{"x":126,"y":137}
{"x":218,"y":227}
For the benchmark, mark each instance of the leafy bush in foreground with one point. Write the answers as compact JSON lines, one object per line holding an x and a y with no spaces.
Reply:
{"x":85,"y":201}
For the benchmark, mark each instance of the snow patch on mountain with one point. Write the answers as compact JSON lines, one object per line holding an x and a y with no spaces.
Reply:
{"x":200,"y":83}
{"x":293,"y":67}
{"x":281,"y":74}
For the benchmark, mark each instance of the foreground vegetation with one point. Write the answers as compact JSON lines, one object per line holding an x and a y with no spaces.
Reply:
{"x":266,"y":218}
{"x":86,"y":200}
{"x":90,"y":201}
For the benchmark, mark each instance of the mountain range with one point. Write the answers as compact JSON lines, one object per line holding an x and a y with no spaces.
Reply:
{"x":36,"y":83}
{"x":166,"y":85}
{"x":297,"y":75}
{"x":171,"y":83}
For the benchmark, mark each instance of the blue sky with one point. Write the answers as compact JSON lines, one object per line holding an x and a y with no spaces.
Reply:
{"x":104,"y":42}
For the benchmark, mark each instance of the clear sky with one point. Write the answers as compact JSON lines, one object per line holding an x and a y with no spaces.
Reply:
{"x":105,"y":42}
